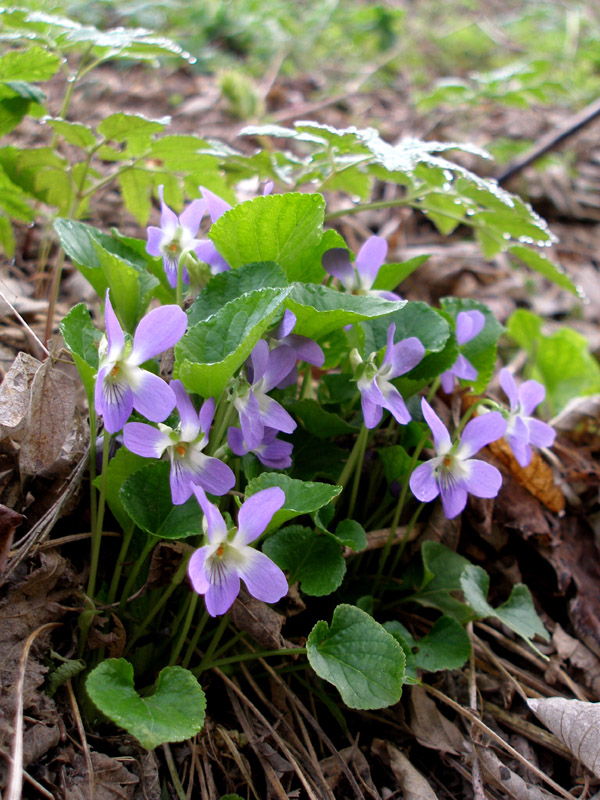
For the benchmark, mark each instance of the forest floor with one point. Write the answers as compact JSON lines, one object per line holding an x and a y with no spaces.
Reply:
{"x":543,"y":530}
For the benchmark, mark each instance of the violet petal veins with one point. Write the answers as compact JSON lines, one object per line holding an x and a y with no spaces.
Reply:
{"x":216,"y":568}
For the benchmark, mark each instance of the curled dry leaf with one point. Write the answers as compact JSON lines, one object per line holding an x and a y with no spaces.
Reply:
{"x":537,"y":477}
{"x":511,"y":784}
{"x":413,"y":784}
{"x":15,"y":394}
{"x":580,"y":656}
{"x":431,"y":728}
{"x":49,"y":420}
{"x":577,"y":410}
{"x":9,"y":522}
{"x":259,"y":620}
{"x":576,"y":723}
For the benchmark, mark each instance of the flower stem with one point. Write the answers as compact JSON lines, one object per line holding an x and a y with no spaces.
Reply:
{"x":135,"y":572}
{"x":225,"y":410}
{"x":193,"y":601}
{"x":97,"y":531}
{"x":214,"y":643}
{"x":179,"y":288}
{"x":93,"y":498}
{"x":195,"y":638}
{"x":285,"y":651}
{"x":114,"y":584}
{"x":352,"y":458}
{"x":362,"y":440}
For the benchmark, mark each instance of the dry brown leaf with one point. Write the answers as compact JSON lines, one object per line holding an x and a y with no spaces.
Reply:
{"x":113,"y":781}
{"x":15,"y":393}
{"x":50,"y":418}
{"x":413,"y":784}
{"x":537,"y":477}
{"x":576,"y":723}
{"x":511,"y":784}
{"x":431,"y":727}
{"x":577,"y":410}
{"x":259,"y":620}
{"x":9,"y":522}
{"x":571,"y":649}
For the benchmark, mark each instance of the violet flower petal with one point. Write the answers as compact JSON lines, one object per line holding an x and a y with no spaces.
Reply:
{"x":168,"y":218}
{"x":369,"y":259}
{"x":509,"y":387}
{"x":531,"y":394}
{"x":144,"y":440}
{"x":521,"y":450}
{"x":114,"y":332}
{"x":207,"y":252}
{"x":405,"y":355}
{"x":192,"y":216}
{"x":275,"y":454}
{"x":224,"y":588}
{"x":274,"y":415}
{"x":372,"y":412}
{"x":259,"y":360}
{"x":463,"y":369}
{"x":256,"y":513}
{"x":337,"y":263}
{"x":395,"y":404}
{"x":484,"y":480}
{"x":479,"y":432}
{"x":216,"y":528}
{"x":281,"y":362}
{"x":469,"y":324}
{"x":286,"y":326}
{"x":423,"y":483}
{"x":235,"y":440}
{"x":264,"y":579}
{"x":210,"y":473}
{"x":113,"y":400}
{"x":441,"y":437}
{"x":190,"y":425}
{"x":250,"y":420}
{"x":207,"y":412}
{"x":160,"y":329}
{"x":454,"y":499}
{"x":155,"y":238}
{"x":181,"y":480}
{"x":447,"y":381}
{"x":152,"y":397}
{"x":305,"y":349}
{"x":540,"y":433}
{"x":197,"y":572}
{"x":215,"y":204}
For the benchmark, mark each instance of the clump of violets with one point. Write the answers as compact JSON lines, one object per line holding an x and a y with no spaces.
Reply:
{"x":271,"y":452}
{"x":184,"y":446}
{"x":469,"y":324}
{"x":453,"y":473}
{"x":359,"y":277}
{"x":303,"y":347}
{"x":216,"y":568}
{"x":176,"y":237}
{"x":522,"y":429}
{"x":257,"y":411}
{"x":374,"y":383}
{"x":121,"y":383}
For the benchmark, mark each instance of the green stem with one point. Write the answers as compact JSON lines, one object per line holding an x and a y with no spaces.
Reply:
{"x":141,"y":559}
{"x":185,"y":628}
{"x":351,"y":462}
{"x":195,"y":638}
{"x":214,"y":643}
{"x":401,"y":547}
{"x":285,"y":651}
{"x":164,"y":597}
{"x":306,"y":391}
{"x":179,"y":289}
{"x":224,"y":414}
{"x":93,"y":499}
{"x":363,"y":438}
{"x":179,"y":790}
{"x":114,"y":584}
{"x":97,"y":531}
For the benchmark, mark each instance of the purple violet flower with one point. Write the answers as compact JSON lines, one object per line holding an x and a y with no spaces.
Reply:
{"x":376,"y":390}
{"x":216,"y":568}
{"x":256,"y":410}
{"x":184,"y":446}
{"x":304,"y":348}
{"x":469,"y":324}
{"x":206,"y":251}
{"x":121,"y":384}
{"x":360,"y":276}
{"x":176,"y":236}
{"x":272,"y":452}
{"x":523,"y":430}
{"x":453,"y":473}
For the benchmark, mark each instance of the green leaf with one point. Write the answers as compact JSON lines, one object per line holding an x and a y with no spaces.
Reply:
{"x":121,"y":126}
{"x":391,"y":275}
{"x":442,"y":570}
{"x":301,"y":497}
{"x":213,"y":350}
{"x":396,"y":463}
{"x":480,"y":351}
{"x":318,"y":421}
{"x":136,"y":186}
{"x":230,"y":285}
{"x":72,"y":132}
{"x":122,"y":279}
{"x":174,"y":712}
{"x":146,"y":497}
{"x":518,"y":612}
{"x":315,"y":458}
{"x":81,"y":338}
{"x":320,"y":310}
{"x":312,"y":558}
{"x":120,"y":467}
{"x":359,"y":657}
{"x":351,"y":534}
{"x":541,"y":264}
{"x":64,"y":672}
{"x":446,"y":646}
{"x":33,"y":64}
{"x":284,"y":228}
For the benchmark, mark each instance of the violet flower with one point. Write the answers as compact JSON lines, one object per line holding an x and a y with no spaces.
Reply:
{"x":469,"y":324}
{"x":216,"y":568}
{"x":184,"y":447}
{"x":121,"y":384}
{"x":304,"y":348}
{"x":360,"y":276}
{"x":176,"y":236}
{"x":452,"y":473}
{"x":523,"y":430}
{"x":272,"y":452}
{"x":256,"y":410}
{"x":374,"y":383}
{"x":206,"y":251}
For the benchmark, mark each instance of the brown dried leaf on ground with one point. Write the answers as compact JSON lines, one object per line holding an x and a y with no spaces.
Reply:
{"x":15,"y":394}
{"x":334,"y":774}
{"x":164,"y":563}
{"x":431,"y":728}
{"x":508,"y":782}
{"x":572,"y":650}
{"x":537,"y":477}
{"x":112,"y":780}
{"x":9,"y":522}
{"x":259,"y":620}
{"x":114,"y":639}
{"x":50,"y":418}
{"x":414,"y":785}
{"x":576,"y":723}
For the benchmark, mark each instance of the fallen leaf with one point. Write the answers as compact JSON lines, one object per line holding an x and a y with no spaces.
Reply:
{"x":49,"y":420}
{"x":9,"y":522}
{"x":509,"y":783}
{"x":537,"y":477}
{"x":577,"y":725}
{"x":112,"y":779}
{"x":15,"y":393}
{"x":571,"y":649}
{"x":414,"y":786}
{"x":577,"y":410}
{"x":431,"y":728}
{"x":259,"y":620}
